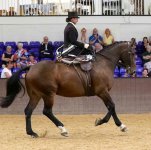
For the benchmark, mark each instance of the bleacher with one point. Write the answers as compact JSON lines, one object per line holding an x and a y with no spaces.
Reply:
{"x":33,"y":47}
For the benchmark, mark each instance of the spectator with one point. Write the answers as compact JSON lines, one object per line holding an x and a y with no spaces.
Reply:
{"x":149,"y":40}
{"x":98,"y":47}
{"x":145,"y":72}
{"x":148,"y":66}
{"x":95,"y":38}
{"x":6,"y":72}
{"x":7,"y":56}
{"x":108,"y":38}
{"x":147,"y":55}
{"x":21,"y":56}
{"x":46,"y":49}
{"x":32,"y":60}
{"x":144,"y":43}
{"x":83,"y":35}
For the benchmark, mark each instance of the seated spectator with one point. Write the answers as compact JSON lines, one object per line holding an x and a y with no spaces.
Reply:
{"x":20,"y":56}
{"x":6,"y":72}
{"x":145,"y":43}
{"x":147,"y":64}
{"x":147,"y":55}
{"x":95,"y":38}
{"x":98,"y":47}
{"x":46,"y":49}
{"x":7,"y":56}
{"x":108,"y":38}
{"x":83,"y":35}
{"x":146,"y":73}
{"x":149,"y":40}
{"x":31,"y":61}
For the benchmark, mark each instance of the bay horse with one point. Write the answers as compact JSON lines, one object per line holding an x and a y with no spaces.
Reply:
{"x":47,"y":79}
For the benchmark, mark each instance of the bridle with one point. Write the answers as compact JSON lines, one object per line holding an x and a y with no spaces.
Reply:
{"x":120,"y":63}
{"x":128,"y":67}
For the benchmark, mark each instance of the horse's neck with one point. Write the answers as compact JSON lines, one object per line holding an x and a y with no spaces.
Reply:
{"x":112,"y":55}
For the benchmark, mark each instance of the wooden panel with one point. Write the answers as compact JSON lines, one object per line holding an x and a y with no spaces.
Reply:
{"x":129,"y":94}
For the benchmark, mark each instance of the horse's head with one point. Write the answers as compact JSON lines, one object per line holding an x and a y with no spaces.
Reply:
{"x":128,"y":58}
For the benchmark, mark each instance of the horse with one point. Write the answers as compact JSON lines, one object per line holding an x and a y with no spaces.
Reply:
{"x":47,"y":79}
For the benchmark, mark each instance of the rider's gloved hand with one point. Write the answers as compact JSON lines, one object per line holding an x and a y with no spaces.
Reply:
{"x":88,"y":47}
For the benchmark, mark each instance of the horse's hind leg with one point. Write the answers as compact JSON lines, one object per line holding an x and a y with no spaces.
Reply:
{"x":48,"y":104}
{"x":111,"y":111}
{"x":28,"y":112}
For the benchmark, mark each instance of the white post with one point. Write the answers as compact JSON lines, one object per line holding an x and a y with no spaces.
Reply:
{"x":18,"y":7}
{"x":70,"y":5}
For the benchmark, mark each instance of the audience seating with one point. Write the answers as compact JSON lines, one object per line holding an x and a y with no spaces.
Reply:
{"x":2,"y":46}
{"x":139,"y":48}
{"x":116,"y":72}
{"x":12,"y":44}
{"x":57,"y":44}
{"x":139,"y":71}
{"x":33,"y":46}
{"x":138,"y":61}
{"x":15,"y":70}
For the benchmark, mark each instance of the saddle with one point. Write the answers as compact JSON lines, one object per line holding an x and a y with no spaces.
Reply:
{"x":85,"y":61}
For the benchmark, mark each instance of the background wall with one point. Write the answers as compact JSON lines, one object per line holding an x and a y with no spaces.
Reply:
{"x":34,"y":28}
{"x":131,"y":95}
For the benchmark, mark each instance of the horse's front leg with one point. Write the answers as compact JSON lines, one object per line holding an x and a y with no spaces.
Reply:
{"x":111,"y":112}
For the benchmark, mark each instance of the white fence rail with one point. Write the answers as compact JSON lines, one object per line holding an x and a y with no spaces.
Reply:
{"x":84,"y":7}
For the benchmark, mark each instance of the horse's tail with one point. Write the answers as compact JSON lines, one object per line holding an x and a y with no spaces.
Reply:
{"x":14,"y":86}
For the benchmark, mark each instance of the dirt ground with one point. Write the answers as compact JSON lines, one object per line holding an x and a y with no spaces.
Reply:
{"x":83,"y":135}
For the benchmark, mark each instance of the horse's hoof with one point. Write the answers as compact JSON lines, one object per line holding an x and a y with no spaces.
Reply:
{"x":33,"y":135}
{"x":98,"y":122}
{"x":123,"y":128}
{"x":65,"y":134}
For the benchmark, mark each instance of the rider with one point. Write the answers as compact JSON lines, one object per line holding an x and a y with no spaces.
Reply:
{"x":71,"y":45}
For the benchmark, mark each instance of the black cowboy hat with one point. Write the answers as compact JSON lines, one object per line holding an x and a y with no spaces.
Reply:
{"x":72,"y":14}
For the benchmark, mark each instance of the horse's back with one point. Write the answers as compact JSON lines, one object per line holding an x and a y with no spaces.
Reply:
{"x":39,"y":69}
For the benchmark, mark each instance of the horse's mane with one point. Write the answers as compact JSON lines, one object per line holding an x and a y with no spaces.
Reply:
{"x":111,"y":46}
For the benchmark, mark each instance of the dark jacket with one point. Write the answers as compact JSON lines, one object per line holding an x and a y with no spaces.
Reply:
{"x":71,"y":36}
{"x":46,"y":53}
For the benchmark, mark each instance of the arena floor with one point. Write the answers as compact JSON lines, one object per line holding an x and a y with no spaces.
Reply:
{"x":83,"y":135}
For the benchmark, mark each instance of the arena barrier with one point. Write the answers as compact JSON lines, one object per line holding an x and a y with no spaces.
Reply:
{"x":131,"y":95}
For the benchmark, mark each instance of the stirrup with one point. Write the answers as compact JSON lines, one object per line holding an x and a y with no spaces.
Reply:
{"x":89,"y":57}
{"x":71,"y":55}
